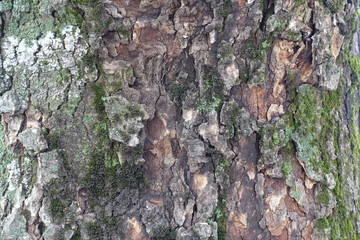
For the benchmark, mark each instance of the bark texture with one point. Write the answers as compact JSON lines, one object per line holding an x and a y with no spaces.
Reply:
{"x":179,"y":119}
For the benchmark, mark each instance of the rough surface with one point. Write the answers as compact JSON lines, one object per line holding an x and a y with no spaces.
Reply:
{"x":179,"y":119}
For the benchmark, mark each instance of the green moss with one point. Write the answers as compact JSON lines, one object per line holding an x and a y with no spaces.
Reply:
{"x":307,"y":112}
{"x":255,"y":51}
{"x":71,"y":105}
{"x":209,"y":104}
{"x":220,"y":218}
{"x":275,"y":138}
{"x":125,"y":136}
{"x":233,"y":128}
{"x":212,"y":91}
{"x":266,"y":44}
{"x":355,"y":65}
{"x":123,"y":30}
{"x":278,"y":25}
{"x":57,"y":208}
{"x":105,"y":175}
{"x":33,"y":19}
{"x":286,"y":168}
{"x":342,"y":222}
{"x":5,"y":6}
{"x":91,"y":60}
{"x":322,"y":224}
{"x":225,"y":51}
{"x":313,"y":117}
{"x":77,"y":235}
{"x":83,"y":2}
{"x":299,"y":2}
{"x":131,"y":153}
{"x":132,"y":111}
{"x":59,"y":197}
{"x":226,"y":8}
{"x":334,"y":5}
{"x":295,"y":194}
{"x":98,"y":101}
{"x":4,"y":151}
{"x":164,"y":233}
{"x":96,"y":174}
{"x":54,"y":139}
{"x":130,"y":176}
{"x":178,"y":92}
{"x":94,"y":231}
{"x":323,"y":196}
{"x":104,"y":170}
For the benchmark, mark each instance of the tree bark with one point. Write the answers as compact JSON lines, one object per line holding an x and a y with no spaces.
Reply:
{"x":179,"y":119}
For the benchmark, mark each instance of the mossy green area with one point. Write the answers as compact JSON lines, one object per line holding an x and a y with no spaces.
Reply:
{"x":225,"y":9}
{"x":94,"y":230}
{"x":306,"y":115}
{"x":225,"y":51}
{"x":164,"y":233}
{"x":335,"y":5}
{"x":32,"y":19}
{"x":179,"y":87}
{"x":54,"y":139}
{"x":232,"y":130}
{"x":5,"y":158}
{"x":323,"y":196}
{"x":257,"y":50}
{"x":222,"y":167}
{"x":60,"y":198}
{"x":178,"y":92}
{"x":104,"y":181}
{"x":286,"y":168}
{"x":4,"y":151}
{"x":319,"y":127}
{"x":342,"y":224}
{"x":211,"y":96}
{"x":355,"y":65}
{"x":106,"y":176}
{"x":312,"y":131}
{"x":77,"y":235}
{"x":130,"y":112}
{"x":220,"y":218}
{"x":311,"y":123}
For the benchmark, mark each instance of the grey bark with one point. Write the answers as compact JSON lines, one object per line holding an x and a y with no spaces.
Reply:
{"x":169,"y":119}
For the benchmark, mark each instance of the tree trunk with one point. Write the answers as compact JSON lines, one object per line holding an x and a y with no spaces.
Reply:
{"x":179,"y":119}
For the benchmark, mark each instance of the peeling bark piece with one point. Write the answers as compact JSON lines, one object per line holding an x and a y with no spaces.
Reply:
{"x":136,"y":231}
{"x":356,"y":44}
{"x":33,"y":140}
{"x":11,"y":103}
{"x":336,"y":42}
{"x":276,"y":214}
{"x":274,"y":109}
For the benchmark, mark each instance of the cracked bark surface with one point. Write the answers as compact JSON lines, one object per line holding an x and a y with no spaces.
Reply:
{"x":179,"y":119}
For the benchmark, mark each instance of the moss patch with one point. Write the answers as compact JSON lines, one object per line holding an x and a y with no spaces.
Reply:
{"x":220,"y":218}
{"x":212,"y":91}
{"x":59,"y":198}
